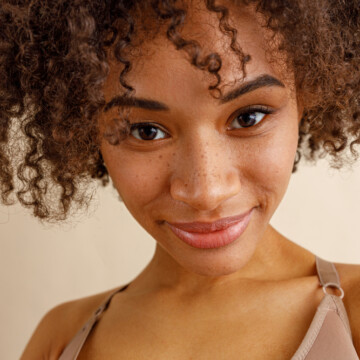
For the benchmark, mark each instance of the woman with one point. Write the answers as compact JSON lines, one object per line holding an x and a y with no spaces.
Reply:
{"x":196,"y":110}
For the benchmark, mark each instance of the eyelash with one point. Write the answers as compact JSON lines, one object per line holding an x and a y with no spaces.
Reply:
{"x":260,"y":109}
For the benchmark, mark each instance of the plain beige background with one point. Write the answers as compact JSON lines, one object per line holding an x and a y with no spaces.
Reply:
{"x":41,"y":267}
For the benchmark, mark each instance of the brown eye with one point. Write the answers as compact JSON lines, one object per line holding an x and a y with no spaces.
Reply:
{"x":250,"y":116}
{"x":248,"y":119}
{"x":146,"y":132}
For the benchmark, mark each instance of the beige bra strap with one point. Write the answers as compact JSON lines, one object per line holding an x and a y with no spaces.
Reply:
{"x":74,"y":347}
{"x":328,"y":275}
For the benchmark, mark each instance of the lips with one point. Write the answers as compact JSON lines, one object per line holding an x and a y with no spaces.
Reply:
{"x":204,"y":227}
{"x":211,"y":235}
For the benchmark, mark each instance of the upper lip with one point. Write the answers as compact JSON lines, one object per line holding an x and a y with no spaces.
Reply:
{"x":204,"y":227}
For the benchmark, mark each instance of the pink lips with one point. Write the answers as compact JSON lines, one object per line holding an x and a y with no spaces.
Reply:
{"x":212,"y":235}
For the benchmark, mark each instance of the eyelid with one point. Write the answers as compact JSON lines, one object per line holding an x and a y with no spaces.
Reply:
{"x":145,"y":123}
{"x":254,"y":108}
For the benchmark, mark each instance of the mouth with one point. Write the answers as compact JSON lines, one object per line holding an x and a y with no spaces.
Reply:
{"x":216,"y":234}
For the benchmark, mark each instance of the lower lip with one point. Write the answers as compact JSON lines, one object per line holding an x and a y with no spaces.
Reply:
{"x":213,"y":239}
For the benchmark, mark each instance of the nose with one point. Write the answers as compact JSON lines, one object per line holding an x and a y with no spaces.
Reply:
{"x":205,"y":173}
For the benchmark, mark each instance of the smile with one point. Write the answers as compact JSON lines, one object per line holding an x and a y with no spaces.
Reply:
{"x":211,"y":235}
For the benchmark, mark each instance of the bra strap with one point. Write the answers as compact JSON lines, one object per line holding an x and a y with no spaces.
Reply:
{"x":74,"y":347}
{"x":328,"y":275}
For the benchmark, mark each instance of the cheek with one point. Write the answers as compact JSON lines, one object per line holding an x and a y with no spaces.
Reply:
{"x":269,"y":165}
{"x":139,"y":178}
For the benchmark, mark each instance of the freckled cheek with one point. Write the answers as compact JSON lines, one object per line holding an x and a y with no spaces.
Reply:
{"x":140,"y":180}
{"x":268,"y":169}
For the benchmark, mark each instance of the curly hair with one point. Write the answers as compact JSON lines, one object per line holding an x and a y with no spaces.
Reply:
{"x":54,"y":63}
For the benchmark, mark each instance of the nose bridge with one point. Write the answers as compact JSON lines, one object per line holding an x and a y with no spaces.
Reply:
{"x":204,"y":172}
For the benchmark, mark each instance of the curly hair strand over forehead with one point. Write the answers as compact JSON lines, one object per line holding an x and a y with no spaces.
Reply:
{"x":54,"y":60}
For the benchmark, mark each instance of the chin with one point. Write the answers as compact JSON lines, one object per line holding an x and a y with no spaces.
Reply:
{"x":220,"y":262}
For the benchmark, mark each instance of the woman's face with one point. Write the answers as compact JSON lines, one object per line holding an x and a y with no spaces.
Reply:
{"x":200,"y":158}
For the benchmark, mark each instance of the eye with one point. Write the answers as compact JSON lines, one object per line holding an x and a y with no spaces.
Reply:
{"x":146,"y":131}
{"x":250,"y":117}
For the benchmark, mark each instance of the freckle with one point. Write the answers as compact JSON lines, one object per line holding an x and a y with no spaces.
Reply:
{"x":160,"y":156}
{"x":156,"y":178}
{"x":186,"y":185}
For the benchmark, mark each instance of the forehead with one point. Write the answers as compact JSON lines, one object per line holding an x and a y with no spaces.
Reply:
{"x":160,"y":70}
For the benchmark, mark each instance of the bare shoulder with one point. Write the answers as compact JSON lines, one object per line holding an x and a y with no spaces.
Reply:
{"x":350,"y":282}
{"x":59,"y":325}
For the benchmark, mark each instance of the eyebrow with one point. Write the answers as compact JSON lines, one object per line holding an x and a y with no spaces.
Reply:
{"x":259,"y":82}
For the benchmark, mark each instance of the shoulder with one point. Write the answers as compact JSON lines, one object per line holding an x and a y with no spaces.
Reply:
{"x":350,"y":282}
{"x":59,"y":325}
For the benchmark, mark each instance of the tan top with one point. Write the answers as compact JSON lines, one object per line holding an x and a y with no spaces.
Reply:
{"x":328,"y":337}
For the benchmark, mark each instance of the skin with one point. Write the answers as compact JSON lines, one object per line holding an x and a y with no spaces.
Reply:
{"x":201,"y":168}
{"x":202,"y":171}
